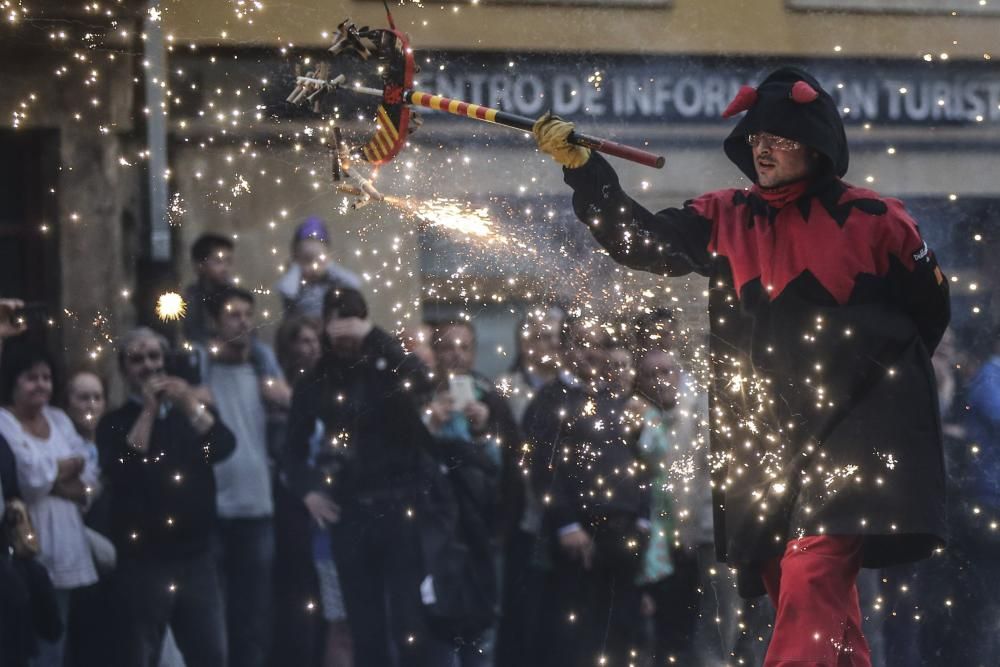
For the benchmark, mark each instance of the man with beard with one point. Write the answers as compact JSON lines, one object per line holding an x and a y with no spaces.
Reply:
{"x":364,"y":483}
{"x":825,"y":304}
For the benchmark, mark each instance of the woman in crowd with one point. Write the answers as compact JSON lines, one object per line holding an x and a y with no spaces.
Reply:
{"x":92,"y":636}
{"x":56,"y":477}
{"x":85,"y":403}
{"x":297,"y":345}
{"x":305,"y":567}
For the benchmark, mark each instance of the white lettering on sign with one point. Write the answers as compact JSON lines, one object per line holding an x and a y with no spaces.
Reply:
{"x":703,"y":96}
{"x":529,"y":95}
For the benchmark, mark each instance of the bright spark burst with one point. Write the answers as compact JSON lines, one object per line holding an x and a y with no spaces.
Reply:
{"x":240,"y":186}
{"x":176,"y":210}
{"x":170,"y":306}
{"x":454,"y":215}
{"x":450,"y":214}
{"x":246,"y":8}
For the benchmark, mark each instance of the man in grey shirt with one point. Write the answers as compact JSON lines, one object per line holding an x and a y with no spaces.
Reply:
{"x":246,"y":383}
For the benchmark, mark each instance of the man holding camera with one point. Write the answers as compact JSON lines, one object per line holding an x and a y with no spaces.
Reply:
{"x":158,"y":450}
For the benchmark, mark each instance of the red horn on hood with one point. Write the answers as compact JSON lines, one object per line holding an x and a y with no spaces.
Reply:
{"x":745,"y":98}
{"x":803,"y":93}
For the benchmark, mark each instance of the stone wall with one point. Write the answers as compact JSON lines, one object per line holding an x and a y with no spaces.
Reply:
{"x":99,"y":199}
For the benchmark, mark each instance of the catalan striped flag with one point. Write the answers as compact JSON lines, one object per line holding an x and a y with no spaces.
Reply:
{"x":386,"y":142}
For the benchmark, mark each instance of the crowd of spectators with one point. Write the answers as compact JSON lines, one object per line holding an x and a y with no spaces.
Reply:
{"x":362,"y":497}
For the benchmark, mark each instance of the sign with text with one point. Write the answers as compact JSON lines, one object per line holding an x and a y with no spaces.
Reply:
{"x":697,"y":89}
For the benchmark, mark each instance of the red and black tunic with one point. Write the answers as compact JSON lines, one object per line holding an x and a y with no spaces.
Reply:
{"x":825,"y":306}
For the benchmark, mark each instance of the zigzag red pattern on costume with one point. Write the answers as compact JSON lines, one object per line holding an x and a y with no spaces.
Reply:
{"x":779,"y":249}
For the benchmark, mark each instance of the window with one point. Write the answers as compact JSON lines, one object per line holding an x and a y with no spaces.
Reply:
{"x":29,"y":266}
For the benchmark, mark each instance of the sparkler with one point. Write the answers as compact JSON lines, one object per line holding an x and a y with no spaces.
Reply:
{"x":445,"y":213}
{"x":170,"y":306}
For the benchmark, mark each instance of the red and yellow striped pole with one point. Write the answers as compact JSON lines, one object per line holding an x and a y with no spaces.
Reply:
{"x":454,"y":107}
{"x":460,"y":108}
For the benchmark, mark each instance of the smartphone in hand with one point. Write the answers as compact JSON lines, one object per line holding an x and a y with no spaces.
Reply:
{"x":462,"y":390}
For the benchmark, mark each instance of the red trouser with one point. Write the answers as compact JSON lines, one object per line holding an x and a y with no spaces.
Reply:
{"x":818,"y":620}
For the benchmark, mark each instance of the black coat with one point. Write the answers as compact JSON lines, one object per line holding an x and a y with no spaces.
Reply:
{"x":824,"y":312}
{"x":383,"y":451}
{"x":371,"y":407}
{"x":585,"y":462}
{"x":163,"y":500}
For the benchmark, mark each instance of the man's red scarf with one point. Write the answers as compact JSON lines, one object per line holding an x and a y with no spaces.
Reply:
{"x":782,"y":195}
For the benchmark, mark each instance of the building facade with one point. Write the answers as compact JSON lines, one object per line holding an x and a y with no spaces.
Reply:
{"x":918,"y":86}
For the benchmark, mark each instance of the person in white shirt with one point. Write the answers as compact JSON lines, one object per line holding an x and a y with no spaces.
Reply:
{"x":55,"y":474}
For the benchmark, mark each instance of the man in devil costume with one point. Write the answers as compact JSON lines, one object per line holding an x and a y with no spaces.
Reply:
{"x":825,"y":307}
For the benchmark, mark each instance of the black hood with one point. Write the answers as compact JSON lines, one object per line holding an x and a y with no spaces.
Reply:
{"x":816,"y":124}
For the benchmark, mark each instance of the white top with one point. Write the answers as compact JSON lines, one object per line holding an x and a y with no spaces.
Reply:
{"x":243,"y":480}
{"x":63,"y":546}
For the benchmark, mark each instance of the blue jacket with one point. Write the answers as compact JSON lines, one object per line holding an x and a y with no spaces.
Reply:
{"x":983,"y":428}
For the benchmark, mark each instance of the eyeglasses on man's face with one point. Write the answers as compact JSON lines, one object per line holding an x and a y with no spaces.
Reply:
{"x":139,"y":357}
{"x":777,"y":143}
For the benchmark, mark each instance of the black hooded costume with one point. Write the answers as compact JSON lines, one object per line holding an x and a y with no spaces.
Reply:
{"x":825,"y":307}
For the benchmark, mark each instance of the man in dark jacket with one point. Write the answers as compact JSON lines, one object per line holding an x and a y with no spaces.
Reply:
{"x":212,"y":259}
{"x":355,"y":454}
{"x":586,"y":470}
{"x":825,"y":305}
{"x":157,"y":450}
{"x":470,"y":414}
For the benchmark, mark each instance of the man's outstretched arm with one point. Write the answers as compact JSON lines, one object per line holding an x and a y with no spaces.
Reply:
{"x":672,"y":242}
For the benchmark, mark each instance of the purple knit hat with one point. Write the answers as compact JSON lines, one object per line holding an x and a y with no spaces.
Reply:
{"x":312,"y":228}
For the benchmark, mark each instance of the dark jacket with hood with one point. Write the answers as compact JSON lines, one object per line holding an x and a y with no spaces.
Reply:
{"x":825,"y":306}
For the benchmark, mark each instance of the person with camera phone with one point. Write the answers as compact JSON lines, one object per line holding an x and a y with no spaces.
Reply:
{"x":158,"y":450}
{"x":479,"y":438}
